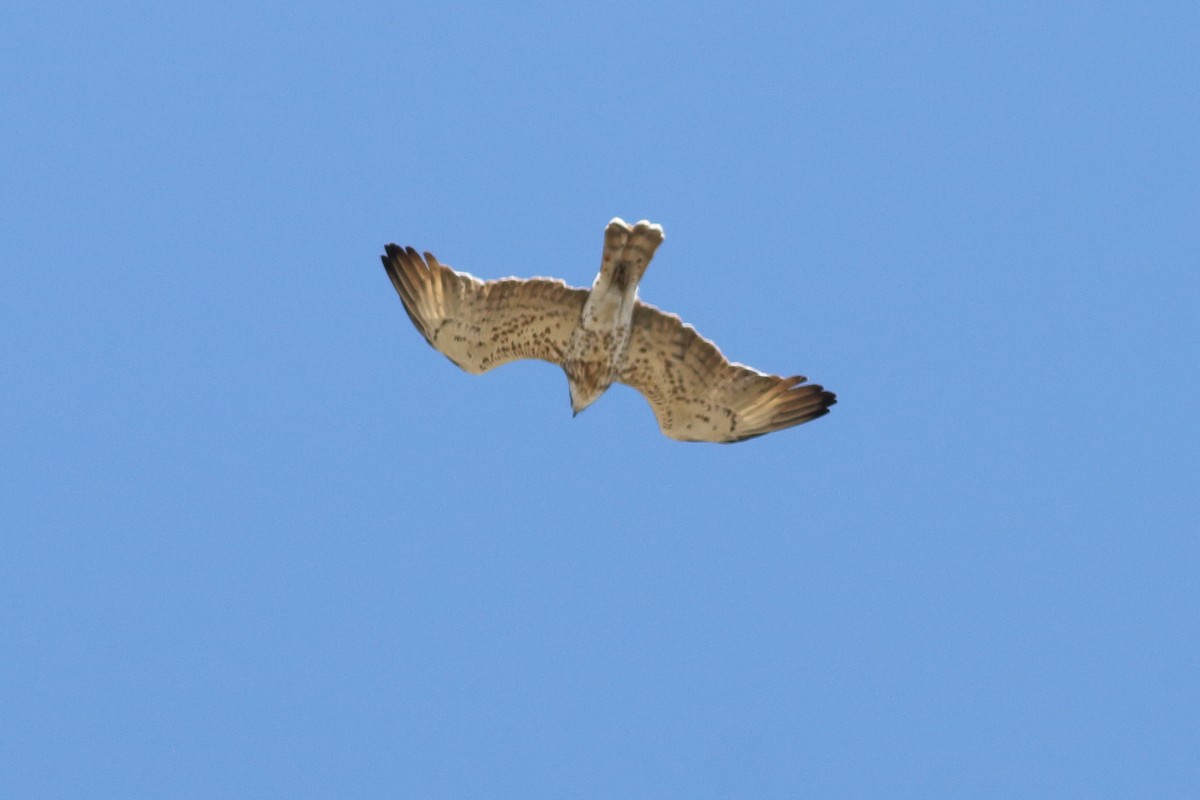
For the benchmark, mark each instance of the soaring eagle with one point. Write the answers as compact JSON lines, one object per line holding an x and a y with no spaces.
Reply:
{"x":599,"y":336}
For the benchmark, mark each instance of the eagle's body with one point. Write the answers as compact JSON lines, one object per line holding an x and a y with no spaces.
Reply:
{"x":599,"y":336}
{"x":598,"y":347}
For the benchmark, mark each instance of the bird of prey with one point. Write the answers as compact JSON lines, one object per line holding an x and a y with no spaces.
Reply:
{"x":599,"y":336}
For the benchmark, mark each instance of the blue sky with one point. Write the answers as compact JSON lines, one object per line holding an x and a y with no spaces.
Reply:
{"x":261,"y":541}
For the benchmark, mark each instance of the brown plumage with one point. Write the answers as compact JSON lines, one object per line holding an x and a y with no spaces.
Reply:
{"x":599,"y":336}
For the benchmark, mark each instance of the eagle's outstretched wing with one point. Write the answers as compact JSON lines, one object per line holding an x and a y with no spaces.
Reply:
{"x":480,"y":325}
{"x":699,"y":396}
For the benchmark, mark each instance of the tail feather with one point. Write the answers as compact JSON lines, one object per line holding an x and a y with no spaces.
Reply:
{"x":627,"y":251}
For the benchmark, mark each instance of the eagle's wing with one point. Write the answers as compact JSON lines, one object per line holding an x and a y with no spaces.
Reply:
{"x":480,"y":325}
{"x":699,"y":396}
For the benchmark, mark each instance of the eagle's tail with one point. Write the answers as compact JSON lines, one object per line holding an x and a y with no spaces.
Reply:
{"x":627,"y":251}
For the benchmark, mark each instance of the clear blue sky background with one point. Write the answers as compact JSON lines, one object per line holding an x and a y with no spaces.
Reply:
{"x":260,"y":541}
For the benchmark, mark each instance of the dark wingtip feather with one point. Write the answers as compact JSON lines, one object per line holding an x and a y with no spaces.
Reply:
{"x":803,"y":404}
{"x":394,"y":261}
{"x":389,"y":264}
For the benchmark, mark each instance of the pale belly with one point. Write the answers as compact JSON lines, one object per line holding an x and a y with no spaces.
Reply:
{"x":598,"y":345}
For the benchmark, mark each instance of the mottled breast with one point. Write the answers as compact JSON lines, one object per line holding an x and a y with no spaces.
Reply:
{"x":593,"y":357}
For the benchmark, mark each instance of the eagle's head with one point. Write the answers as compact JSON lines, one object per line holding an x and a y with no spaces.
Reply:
{"x":586,"y":384}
